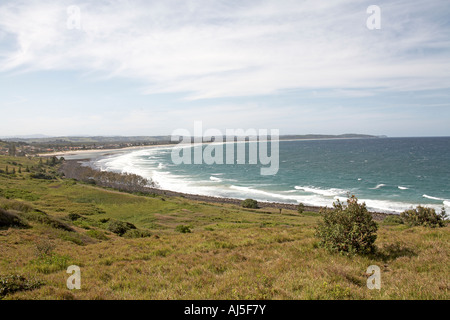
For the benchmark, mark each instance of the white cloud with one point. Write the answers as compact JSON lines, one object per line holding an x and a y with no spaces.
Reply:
{"x":225,"y":48}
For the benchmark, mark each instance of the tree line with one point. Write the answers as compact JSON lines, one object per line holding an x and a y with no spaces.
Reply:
{"x":121,"y":181}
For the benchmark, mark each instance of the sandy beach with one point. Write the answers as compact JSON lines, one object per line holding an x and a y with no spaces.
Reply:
{"x":100,"y":151}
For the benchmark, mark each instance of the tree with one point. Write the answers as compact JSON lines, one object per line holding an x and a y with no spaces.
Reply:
{"x":301,"y":207}
{"x":250,"y":203}
{"x":347,"y":228}
{"x":423,"y":216}
{"x":12,"y":149}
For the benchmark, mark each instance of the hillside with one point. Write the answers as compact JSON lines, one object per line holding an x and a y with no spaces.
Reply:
{"x":136,"y":246}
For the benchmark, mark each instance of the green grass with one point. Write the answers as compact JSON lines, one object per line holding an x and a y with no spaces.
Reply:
{"x":230,"y":253}
{"x":51,"y":263}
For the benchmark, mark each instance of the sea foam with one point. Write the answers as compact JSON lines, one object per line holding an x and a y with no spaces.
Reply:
{"x":433,"y":198}
{"x":378,"y":186}
{"x":324,"y":192}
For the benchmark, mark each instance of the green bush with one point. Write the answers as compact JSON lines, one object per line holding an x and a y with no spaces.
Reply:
{"x":44,"y":248}
{"x":42,"y":176}
{"x":301,"y":208}
{"x":250,"y":203}
{"x":347,"y":228}
{"x":96,"y":234}
{"x":120,"y":227}
{"x":8,"y":219}
{"x":183,"y":229}
{"x":74,"y":216}
{"x":135,"y":233}
{"x":393,"y":219}
{"x":423,"y":216}
{"x":73,"y":237}
{"x":14,"y":283}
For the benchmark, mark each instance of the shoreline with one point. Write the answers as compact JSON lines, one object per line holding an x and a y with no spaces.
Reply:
{"x":87,"y":151}
{"x":79,"y":152}
{"x":75,"y":164}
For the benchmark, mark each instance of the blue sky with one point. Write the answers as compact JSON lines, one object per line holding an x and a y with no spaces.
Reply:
{"x":150,"y":67}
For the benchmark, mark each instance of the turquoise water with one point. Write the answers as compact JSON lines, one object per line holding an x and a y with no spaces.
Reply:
{"x":389,"y":174}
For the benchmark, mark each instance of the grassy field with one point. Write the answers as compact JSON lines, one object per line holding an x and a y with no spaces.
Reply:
{"x":230,"y":253}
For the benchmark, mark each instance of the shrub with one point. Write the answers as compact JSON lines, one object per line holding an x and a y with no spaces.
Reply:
{"x":42,"y":176}
{"x":43,"y":218}
{"x":14,"y":283}
{"x":347,"y":228}
{"x":250,"y":203}
{"x":96,"y":234}
{"x":120,"y":227}
{"x":183,"y":229}
{"x":423,"y":216}
{"x":8,"y":219}
{"x":393,"y":219}
{"x":301,"y":207}
{"x":74,"y":216}
{"x":44,"y":248}
{"x":135,"y":233}
{"x":72,"y":237}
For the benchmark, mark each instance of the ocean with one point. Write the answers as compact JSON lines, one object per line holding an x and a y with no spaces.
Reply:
{"x":388,"y":174}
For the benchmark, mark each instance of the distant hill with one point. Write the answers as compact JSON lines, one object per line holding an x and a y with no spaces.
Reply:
{"x":37,"y":139}
{"x":94,"y":139}
{"x":31,"y":136}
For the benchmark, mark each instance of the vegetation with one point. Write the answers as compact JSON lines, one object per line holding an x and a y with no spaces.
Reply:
{"x":183,"y":229}
{"x":136,"y":233}
{"x":233,"y":253}
{"x":423,"y":216}
{"x":301,"y":208}
{"x":121,"y":181}
{"x":120,"y":227}
{"x":348,"y":228}
{"x":32,"y":146}
{"x":250,"y":203}
{"x":393,"y":220}
{"x":14,"y":283}
{"x":8,"y":219}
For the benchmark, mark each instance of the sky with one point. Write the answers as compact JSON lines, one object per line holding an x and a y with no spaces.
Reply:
{"x":150,"y":67}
